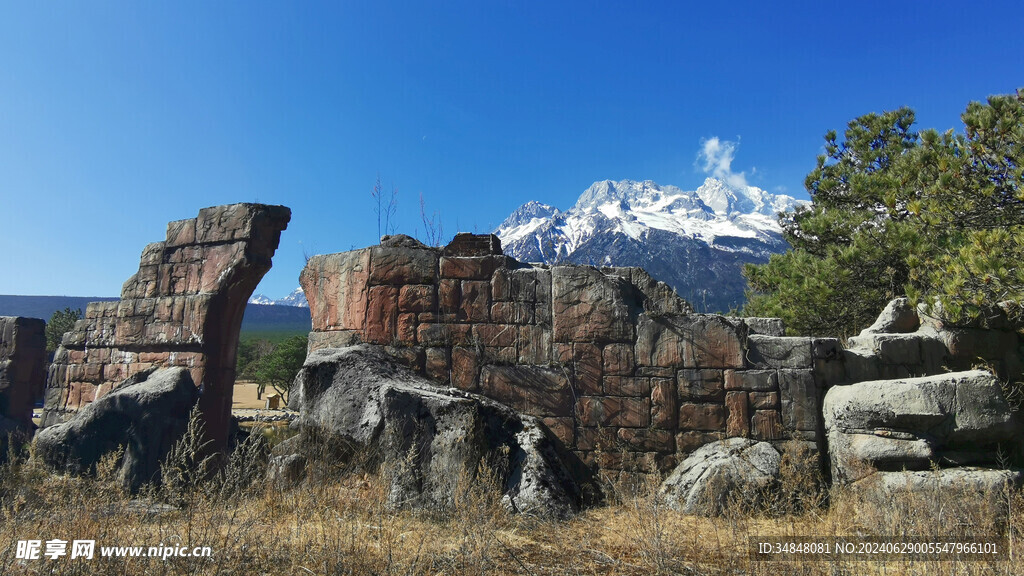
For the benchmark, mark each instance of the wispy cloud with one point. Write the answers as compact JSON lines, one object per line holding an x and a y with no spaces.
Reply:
{"x":715,"y":158}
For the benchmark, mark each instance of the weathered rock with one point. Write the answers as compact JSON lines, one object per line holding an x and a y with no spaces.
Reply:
{"x":589,"y":306}
{"x":717,"y":475}
{"x":401,"y":241}
{"x":529,"y":389}
{"x":659,"y":297}
{"x":22,"y":370}
{"x":145,"y":414}
{"x":889,"y":424}
{"x":427,"y":437}
{"x":937,"y":498}
{"x":765,"y":326}
{"x":468,"y":244}
{"x":183,"y":307}
{"x":779,"y":352}
{"x":898,"y":317}
{"x":856,"y":456}
{"x":690,"y":341}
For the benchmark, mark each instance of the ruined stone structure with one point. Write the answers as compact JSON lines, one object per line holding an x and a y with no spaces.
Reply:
{"x":184,"y":308}
{"x":616,"y":365}
{"x":22,"y":370}
{"x":613,"y":362}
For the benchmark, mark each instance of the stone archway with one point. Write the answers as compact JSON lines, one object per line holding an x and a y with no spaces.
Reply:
{"x":183,"y":307}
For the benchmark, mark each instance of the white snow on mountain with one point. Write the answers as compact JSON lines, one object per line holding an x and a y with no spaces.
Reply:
{"x":717,"y":228}
{"x":297,"y":298}
{"x":715,"y":210}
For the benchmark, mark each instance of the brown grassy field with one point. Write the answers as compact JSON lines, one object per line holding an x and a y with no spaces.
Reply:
{"x":337,"y":522}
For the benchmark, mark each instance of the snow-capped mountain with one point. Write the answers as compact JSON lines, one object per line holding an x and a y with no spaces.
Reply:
{"x":697,"y":241}
{"x":297,"y":298}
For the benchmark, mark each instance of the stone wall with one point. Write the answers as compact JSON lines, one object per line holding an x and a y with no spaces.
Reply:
{"x":183,"y":307}
{"x":617,"y":366}
{"x":22,"y":371}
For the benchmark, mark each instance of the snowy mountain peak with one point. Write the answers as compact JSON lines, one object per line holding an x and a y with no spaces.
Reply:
{"x":297,"y":299}
{"x":642,"y":223}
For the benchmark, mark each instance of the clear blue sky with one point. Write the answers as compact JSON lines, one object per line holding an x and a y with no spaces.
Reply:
{"x":116,"y":117}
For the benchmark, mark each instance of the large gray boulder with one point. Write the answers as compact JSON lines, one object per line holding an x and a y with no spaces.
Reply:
{"x":943,"y":497}
{"x":915,"y":423}
{"x":145,"y":414}
{"x":428,"y":440}
{"x":717,"y":475}
{"x":898,"y":317}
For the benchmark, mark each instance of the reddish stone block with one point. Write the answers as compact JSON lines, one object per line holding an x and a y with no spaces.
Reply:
{"x":448,"y":295}
{"x":647,"y":439}
{"x":468,"y":244}
{"x":417,"y":298}
{"x":588,"y":306}
{"x":474,"y":305}
{"x":465,"y":368}
{"x":443,"y":334}
{"x":500,"y":285}
{"x":737,"y":414}
{"x":501,"y":354}
{"x":400,"y":266}
{"x":706,"y":417}
{"x":597,"y":411}
{"x":496,"y":335}
{"x":563,"y":429}
{"x":663,"y":404}
{"x":437,"y":364}
{"x":534,"y":345}
{"x":381,"y":315}
{"x":619,"y":359}
{"x":217,"y":259}
{"x":763,"y":400}
{"x":690,"y":440}
{"x":529,"y":389}
{"x":587,"y":368}
{"x":691,"y":341}
{"x":180,"y":233}
{"x":701,"y":384}
{"x":512,"y":312}
{"x":627,"y":386}
{"x":406,"y":329}
{"x":472,"y":268}
{"x":562,"y":352}
{"x":766,"y":425}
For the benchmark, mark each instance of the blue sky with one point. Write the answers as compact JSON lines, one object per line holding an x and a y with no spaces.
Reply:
{"x":116,"y":117}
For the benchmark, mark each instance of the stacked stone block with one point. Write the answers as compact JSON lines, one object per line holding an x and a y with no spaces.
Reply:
{"x":22,"y":371}
{"x":183,"y":307}
{"x":616,"y":365}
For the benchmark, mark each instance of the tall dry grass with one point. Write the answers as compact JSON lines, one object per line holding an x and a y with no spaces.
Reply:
{"x":339,"y":521}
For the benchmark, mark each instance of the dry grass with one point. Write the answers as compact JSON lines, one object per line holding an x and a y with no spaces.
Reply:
{"x":340,"y":523}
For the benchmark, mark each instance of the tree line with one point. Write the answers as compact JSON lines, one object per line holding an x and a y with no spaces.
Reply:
{"x":934,"y":216}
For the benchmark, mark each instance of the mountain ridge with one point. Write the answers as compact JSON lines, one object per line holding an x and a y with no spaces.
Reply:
{"x":697,"y":241}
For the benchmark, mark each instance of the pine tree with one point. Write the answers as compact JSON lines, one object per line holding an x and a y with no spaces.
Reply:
{"x":938,"y":217}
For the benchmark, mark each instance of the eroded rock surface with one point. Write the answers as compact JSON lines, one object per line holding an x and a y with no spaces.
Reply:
{"x":736,"y":471}
{"x":145,"y":414}
{"x":915,"y":423}
{"x":183,"y":308}
{"x":22,"y":374}
{"x":428,"y":440}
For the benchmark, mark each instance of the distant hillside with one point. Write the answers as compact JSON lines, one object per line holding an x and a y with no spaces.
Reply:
{"x":44,"y":306}
{"x":275,"y":318}
{"x":258,"y":318}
